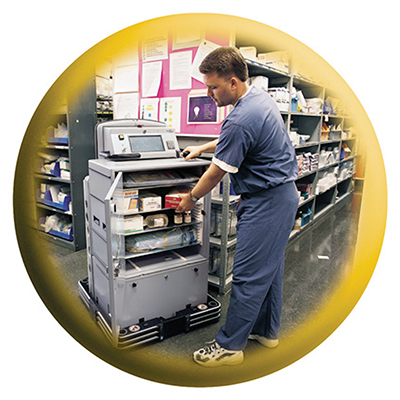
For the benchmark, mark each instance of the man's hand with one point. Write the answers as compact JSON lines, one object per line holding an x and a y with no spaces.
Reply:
{"x":186,"y":204}
{"x":194,"y":151}
{"x":207,"y":181}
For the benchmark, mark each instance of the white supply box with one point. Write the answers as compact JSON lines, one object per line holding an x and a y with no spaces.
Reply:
{"x":260,"y":82}
{"x":149,"y":202}
{"x":132,"y":224}
{"x":249,"y":52}
{"x":278,"y":60}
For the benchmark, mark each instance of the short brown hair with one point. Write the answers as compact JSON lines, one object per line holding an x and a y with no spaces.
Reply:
{"x":226,"y":62}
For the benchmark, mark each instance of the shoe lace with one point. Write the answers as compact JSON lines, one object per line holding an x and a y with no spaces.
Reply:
{"x":211,"y":347}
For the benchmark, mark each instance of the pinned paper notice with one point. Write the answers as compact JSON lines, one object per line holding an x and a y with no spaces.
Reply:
{"x":204,"y":49}
{"x":179,"y":70}
{"x":154,"y":49}
{"x":151,"y":78}
{"x":126,"y":105}
{"x":149,"y":109}
{"x":126,"y":79}
{"x":170,"y":112}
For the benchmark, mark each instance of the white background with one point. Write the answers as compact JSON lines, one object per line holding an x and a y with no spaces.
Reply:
{"x":40,"y":39}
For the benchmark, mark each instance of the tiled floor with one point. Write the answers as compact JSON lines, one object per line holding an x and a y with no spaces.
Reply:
{"x":314,"y":264}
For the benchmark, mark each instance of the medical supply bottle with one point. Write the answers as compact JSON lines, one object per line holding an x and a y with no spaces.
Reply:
{"x":187,"y":217}
{"x":156,"y":221}
{"x":178,"y":218}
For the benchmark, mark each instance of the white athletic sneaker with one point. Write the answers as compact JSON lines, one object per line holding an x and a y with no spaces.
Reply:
{"x":270,"y":343}
{"x":213,"y":355}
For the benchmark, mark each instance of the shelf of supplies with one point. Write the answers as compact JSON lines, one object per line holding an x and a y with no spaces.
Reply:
{"x":327,"y":189}
{"x":306,"y":144}
{"x":161,"y":183}
{"x":69,"y":244}
{"x":140,"y":212}
{"x":332,"y":116}
{"x":215,"y":280}
{"x":56,"y":146}
{"x":343,"y":196}
{"x":51,"y":178}
{"x":301,"y":114}
{"x":297,"y":79}
{"x":219,"y":199}
{"x":302,"y":202}
{"x":322,"y":203}
{"x":307,"y":174}
{"x":163,"y":228}
{"x":321,"y":168}
{"x":216,"y":241}
{"x":128,"y":255}
{"x":346,"y":139}
{"x":57,"y":234}
{"x":330,"y":141}
{"x":58,"y":141}
{"x":323,"y":211}
{"x":61,"y":235}
{"x":347,"y":159}
{"x":46,"y":200}
{"x":344,"y":180}
{"x":49,"y":208}
{"x":104,"y":97}
{"x":257,"y":68}
{"x":296,"y":232}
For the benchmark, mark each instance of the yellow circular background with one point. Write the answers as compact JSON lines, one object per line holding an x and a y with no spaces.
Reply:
{"x":175,"y":369}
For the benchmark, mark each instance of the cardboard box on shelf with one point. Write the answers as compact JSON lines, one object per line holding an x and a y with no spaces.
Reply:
{"x":173,"y":198}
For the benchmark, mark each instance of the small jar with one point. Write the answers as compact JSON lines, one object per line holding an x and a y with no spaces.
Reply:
{"x":187,"y":217}
{"x":178,"y":219}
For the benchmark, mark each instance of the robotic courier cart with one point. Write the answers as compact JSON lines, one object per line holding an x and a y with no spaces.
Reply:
{"x":147,"y":265}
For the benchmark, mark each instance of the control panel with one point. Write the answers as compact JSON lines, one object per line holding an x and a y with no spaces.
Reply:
{"x":138,"y":139}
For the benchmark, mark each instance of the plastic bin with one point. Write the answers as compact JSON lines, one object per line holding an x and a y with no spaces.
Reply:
{"x":215,"y":260}
{"x":216,"y":220}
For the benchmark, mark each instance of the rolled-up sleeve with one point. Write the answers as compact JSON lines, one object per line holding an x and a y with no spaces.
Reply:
{"x":232,"y":148}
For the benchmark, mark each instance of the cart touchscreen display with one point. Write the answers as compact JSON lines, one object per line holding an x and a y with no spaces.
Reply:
{"x":146,"y":143}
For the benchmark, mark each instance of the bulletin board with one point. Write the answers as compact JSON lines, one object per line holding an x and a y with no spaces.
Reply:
{"x":168,"y":76}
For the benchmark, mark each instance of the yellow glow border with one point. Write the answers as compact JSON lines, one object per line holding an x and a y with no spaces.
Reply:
{"x":180,"y":369}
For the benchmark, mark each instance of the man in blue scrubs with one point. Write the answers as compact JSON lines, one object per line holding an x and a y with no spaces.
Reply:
{"x":254,"y":148}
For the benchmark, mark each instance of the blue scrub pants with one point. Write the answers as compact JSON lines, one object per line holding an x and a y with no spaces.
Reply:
{"x":265,"y":220}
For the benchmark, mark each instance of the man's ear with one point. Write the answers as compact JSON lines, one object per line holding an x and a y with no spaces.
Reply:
{"x":234,"y":83}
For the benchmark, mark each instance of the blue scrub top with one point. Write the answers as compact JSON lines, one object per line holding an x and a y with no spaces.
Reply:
{"x":254,"y":146}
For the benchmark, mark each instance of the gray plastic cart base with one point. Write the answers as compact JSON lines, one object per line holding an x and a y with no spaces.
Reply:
{"x":156,"y":329}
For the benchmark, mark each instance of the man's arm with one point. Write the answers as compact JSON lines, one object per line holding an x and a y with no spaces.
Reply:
{"x":206,"y":183}
{"x":195,"y":151}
